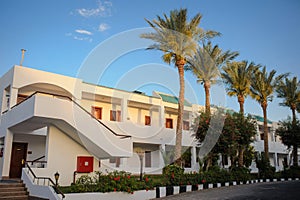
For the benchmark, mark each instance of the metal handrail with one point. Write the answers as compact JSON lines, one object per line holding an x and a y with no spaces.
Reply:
{"x":57,"y":190}
{"x":70,"y":99}
{"x":37,"y":160}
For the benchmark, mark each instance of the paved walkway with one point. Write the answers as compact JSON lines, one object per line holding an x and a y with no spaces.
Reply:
{"x":259,"y":191}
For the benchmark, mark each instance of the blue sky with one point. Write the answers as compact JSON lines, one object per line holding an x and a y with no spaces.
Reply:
{"x":60,"y":36}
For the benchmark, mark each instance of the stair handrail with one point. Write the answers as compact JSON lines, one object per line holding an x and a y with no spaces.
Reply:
{"x":37,"y":160}
{"x":77,"y":104}
{"x":56,"y":189}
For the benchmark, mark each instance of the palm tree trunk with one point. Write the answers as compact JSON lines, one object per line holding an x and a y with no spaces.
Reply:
{"x":241,"y":156}
{"x":180,"y":65}
{"x":241,"y":101}
{"x":294,"y":114}
{"x":266,"y":138}
{"x":206,"y":86}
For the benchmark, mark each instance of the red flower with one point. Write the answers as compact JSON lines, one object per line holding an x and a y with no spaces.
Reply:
{"x":117,"y":178}
{"x":146,"y":179}
{"x":172,"y":175}
{"x":203,"y":181}
{"x":128,"y":176}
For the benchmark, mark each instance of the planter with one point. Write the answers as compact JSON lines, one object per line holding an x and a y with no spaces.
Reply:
{"x":205,"y":186}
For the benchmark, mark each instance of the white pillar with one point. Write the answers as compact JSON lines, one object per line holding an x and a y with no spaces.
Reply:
{"x":162,"y":116}
{"x":194,"y":157}
{"x":13,"y":96}
{"x":275,"y":161}
{"x":124,"y":107}
{"x":162,"y":148}
{"x":8,"y":140}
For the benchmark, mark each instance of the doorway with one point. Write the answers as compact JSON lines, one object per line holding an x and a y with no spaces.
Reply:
{"x":18,"y":158}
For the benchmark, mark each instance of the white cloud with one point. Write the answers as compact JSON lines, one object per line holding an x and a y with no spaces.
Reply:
{"x":83,"y":38}
{"x":103,"y":27}
{"x":85,"y":32}
{"x":103,"y":9}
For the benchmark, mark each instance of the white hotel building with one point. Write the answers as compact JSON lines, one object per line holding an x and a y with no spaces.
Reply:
{"x":62,"y":124}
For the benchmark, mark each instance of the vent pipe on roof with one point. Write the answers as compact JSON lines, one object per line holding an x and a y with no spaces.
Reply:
{"x":23,"y":52}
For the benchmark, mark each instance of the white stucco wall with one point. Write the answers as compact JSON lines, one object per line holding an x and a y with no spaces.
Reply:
{"x":36,"y":145}
{"x":62,"y":156}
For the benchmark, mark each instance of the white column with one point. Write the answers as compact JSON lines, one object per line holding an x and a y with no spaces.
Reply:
{"x":194,"y":157}
{"x":275,"y":161}
{"x":162,"y":116}
{"x":13,"y":97}
{"x":124,"y":107}
{"x":8,"y":140}
{"x":162,"y":148}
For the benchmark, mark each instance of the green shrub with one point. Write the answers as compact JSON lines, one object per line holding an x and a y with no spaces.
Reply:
{"x":265,"y":170}
{"x":240,"y":174}
{"x":216,"y":175}
{"x":292,"y":172}
{"x":173,"y":175}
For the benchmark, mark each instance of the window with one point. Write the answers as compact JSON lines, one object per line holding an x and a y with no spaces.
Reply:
{"x":115,"y":160}
{"x":115,"y":115}
{"x":21,"y":98}
{"x":112,"y":160}
{"x":147,"y":120}
{"x":186,"y":125}
{"x":147,"y":158}
{"x":97,"y":112}
{"x":262,"y":136}
{"x":169,"y":123}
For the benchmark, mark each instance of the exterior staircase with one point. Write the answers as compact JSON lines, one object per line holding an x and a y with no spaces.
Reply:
{"x":13,"y":190}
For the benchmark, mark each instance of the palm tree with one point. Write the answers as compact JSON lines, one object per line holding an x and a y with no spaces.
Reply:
{"x":205,"y":66}
{"x":290,"y":92}
{"x":178,"y":40}
{"x":262,"y":88}
{"x":237,"y":78}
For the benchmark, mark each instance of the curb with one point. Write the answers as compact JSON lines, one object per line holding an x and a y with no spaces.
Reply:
{"x":172,"y":190}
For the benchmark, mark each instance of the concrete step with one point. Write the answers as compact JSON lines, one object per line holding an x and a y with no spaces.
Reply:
{"x":18,"y":197}
{"x":8,"y":185}
{"x":13,"y":190}
{"x":15,"y":193}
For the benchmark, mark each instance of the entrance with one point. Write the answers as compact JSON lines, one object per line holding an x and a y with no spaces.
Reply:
{"x":18,"y":158}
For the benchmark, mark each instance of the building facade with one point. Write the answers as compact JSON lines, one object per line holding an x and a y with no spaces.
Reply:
{"x":61,"y":124}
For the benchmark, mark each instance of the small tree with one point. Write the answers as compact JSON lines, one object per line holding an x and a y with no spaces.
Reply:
{"x":289,"y":132}
{"x":237,"y":133}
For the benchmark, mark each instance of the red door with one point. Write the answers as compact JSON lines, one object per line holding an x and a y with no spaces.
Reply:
{"x":18,"y":158}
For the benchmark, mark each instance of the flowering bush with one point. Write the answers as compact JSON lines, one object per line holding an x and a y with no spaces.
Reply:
{"x":116,"y":181}
{"x":173,"y":175}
